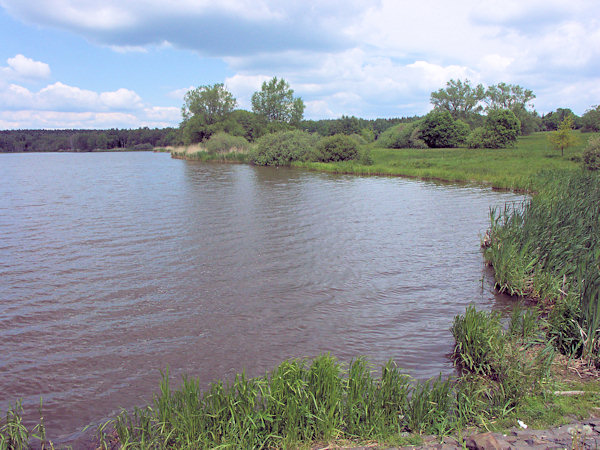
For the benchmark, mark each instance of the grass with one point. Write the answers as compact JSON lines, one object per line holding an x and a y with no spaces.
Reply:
{"x":512,"y":168}
{"x":548,"y":249}
{"x":196,"y":152}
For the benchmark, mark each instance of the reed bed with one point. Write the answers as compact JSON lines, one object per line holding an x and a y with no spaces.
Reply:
{"x":548,"y":249}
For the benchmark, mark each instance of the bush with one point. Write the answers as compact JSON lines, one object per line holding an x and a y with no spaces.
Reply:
{"x":500,"y":130}
{"x":225,"y":143}
{"x":440,"y":130}
{"x":335,"y":148}
{"x":283,"y":147}
{"x":403,"y":135}
{"x":591,"y":154}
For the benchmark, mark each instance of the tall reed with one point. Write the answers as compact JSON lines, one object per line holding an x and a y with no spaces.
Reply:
{"x":549,"y":249}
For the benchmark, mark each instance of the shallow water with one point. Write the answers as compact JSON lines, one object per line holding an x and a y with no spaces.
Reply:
{"x":116,"y":265}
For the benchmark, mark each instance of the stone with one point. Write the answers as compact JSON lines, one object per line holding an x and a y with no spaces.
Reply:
{"x":484,"y":441}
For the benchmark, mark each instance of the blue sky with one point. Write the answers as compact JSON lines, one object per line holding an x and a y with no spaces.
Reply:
{"x":128,"y":63}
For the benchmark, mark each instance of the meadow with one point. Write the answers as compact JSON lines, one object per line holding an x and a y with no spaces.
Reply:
{"x":511,"y":168}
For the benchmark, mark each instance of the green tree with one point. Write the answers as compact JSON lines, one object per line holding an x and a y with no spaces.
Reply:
{"x":276,"y":104}
{"x":501,"y":129}
{"x":459,"y":98}
{"x":591,"y":119}
{"x":564,"y":136}
{"x":440,"y":130}
{"x":211,"y":103}
{"x":508,"y":96}
{"x":204,"y":111}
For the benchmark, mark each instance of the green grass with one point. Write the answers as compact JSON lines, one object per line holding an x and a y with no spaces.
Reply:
{"x":511,"y":168}
{"x":549,"y":249}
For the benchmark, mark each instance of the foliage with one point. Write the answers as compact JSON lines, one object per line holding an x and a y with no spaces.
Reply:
{"x":440,"y":130}
{"x":86,"y":140}
{"x":283,"y":147}
{"x":404,"y":135}
{"x":479,"y":342}
{"x":459,"y":98}
{"x":549,"y":249}
{"x":211,"y":103}
{"x":590,"y":121}
{"x":508,"y":96}
{"x":501,"y":129}
{"x":564,"y":136}
{"x":245,"y":124}
{"x":275,"y":103}
{"x":335,"y":148}
{"x":225,"y":143}
{"x":591,"y":154}
{"x":552,"y":121}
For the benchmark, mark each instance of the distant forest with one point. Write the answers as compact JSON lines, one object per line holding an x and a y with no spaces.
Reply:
{"x":86,"y":140}
{"x":147,"y":139}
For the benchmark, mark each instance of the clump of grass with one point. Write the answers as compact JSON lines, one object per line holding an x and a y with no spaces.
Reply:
{"x":14,"y":434}
{"x":549,"y":249}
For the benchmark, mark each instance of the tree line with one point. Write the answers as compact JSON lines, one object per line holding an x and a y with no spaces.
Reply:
{"x":86,"y":140}
{"x":463,"y":114}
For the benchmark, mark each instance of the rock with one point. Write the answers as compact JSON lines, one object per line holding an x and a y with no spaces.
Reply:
{"x":484,"y":441}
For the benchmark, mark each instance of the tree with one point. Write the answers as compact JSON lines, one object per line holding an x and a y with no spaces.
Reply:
{"x":211,"y":103}
{"x":276,"y":104}
{"x":204,"y":111}
{"x":500,"y":130}
{"x":591,"y":119}
{"x":440,"y":130}
{"x":459,"y":98}
{"x":508,"y":96}
{"x":552,"y":120}
{"x":563,"y":137}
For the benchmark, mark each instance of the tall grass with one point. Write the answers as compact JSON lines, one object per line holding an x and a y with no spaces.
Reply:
{"x":549,"y":249}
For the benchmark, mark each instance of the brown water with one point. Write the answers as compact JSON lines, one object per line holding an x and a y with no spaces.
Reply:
{"x":115,"y":265}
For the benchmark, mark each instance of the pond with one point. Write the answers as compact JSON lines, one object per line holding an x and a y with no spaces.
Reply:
{"x":114,"y":266}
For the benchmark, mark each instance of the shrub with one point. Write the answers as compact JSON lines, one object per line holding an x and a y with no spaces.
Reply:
{"x":283,"y":147}
{"x":500,"y":130}
{"x":591,"y":154}
{"x":225,"y":143}
{"x":403,"y":135}
{"x":335,"y":148}
{"x":440,"y":130}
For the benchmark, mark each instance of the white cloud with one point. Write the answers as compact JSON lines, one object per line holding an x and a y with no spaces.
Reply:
{"x":21,"y":67}
{"x":62,"y":106}
{"x":372,"y":59}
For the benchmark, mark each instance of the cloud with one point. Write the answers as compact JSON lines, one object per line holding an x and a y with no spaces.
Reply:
{"x":230,"y":27}
{"x":372,"y":59}
{"x":60,"y":106}
{"x":61,"y":97}
{"x":21,"y":67}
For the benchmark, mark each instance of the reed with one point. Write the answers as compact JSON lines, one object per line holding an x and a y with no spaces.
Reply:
{"x":549,"y":249}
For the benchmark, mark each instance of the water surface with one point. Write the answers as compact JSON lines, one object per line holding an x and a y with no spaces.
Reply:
{"x":116,"y":265}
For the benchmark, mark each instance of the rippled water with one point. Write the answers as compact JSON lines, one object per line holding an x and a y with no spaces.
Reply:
{"x":115,"y":265}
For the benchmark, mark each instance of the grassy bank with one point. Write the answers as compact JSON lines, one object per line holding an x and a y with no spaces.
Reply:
{"x":511,"y":168}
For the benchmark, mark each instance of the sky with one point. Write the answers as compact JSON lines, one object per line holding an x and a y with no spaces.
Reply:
{"x":128,"y":63}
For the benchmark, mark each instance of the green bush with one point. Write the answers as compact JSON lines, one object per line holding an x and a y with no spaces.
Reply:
{"x":225,"y":143}
{"x":591,"y":154}
{"x":440,"y":130}
{"x":335,"y":148}
{"x":500,"y":130}
{"x":283,"y":147}
{"x":403,"y":135}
